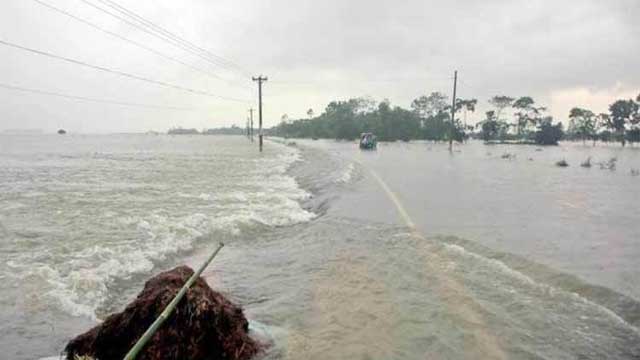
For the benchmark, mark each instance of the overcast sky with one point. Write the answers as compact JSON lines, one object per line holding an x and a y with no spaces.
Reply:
{"x":563,"y":53}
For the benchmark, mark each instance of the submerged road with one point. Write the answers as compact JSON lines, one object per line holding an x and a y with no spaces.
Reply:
{"x":371,"y":278}
{"x":437,"y":292}
{"x":357,"y":313}
{"x":451,"y":290}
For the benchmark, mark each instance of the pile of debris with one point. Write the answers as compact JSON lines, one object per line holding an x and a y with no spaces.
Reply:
{"x":204,"y":325}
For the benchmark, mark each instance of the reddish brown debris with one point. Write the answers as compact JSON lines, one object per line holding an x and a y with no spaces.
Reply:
{"x":204,"y":325}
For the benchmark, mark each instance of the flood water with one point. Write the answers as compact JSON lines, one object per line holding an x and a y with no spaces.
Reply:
{"x":407,"y":252}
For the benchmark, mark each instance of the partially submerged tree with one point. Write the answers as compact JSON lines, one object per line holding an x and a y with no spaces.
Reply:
{"x":458,"y":129}
{"x":491,"y":129}
{"x":466,"y":106}
{"x":428,"y":106}
{"x":548,"y":133}
{"x":633,"y":135}
{"x":584,"y":124}
{"x":428,"y":119}
{"x":527,"y":114}
{"x":435,"y":127}
{"x":623,"y":112}
{"x":500,"y":102}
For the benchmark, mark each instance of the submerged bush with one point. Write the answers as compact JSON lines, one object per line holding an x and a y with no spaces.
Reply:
{"x":609,"y":165}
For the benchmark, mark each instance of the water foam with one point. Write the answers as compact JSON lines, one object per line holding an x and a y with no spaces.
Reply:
{"x":501,"y":267}
{"x":80,"y":282}
{"x":346,"y":175}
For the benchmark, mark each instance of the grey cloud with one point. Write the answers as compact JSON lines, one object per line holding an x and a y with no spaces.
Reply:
{"x":316,"y":51}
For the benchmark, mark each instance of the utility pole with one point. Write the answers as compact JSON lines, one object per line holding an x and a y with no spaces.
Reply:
{"x":248,"y":133}
{"x":453,"y":110}
{"x":260,"y":79}
{"x":251,"y":123}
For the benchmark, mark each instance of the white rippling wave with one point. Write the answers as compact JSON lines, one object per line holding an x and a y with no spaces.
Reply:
{"x":124,"y":227}
{"x":502,"y":269}
{"x":347,"y":174}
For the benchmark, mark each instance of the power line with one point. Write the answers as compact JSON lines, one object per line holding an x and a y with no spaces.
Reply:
{"x":117,"y":72}
{"x":133,"y":42}
{"x":167,"y":33}
{"x":173,"y":40}
{"x":137,"y":26}
{"x":102,"y":101}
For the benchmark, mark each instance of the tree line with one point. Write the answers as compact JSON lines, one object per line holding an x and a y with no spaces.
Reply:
{"x":429,"y":118}
{"x":622,"y":123}
{"x":530,"y":124}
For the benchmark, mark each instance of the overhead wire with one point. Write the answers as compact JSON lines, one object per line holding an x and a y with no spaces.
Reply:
{"x":172,"y":39}
{"x":96,"y":100}
{"x":132,"y":42}
{"x":118,"y":72}
{"x":127,"y":12}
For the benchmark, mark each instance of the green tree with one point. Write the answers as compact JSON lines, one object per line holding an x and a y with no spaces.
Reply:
{"x":491,"y":129}
{"x":427,"y":119}
{"x":347,"y":119}
{"x":466,"y":106}
{"x":548,"y":133}
{"x":623,"y":112}
{"x":310,"y":113}
{"x":527,"y":114}
{"x":432,"y":105}
{"x":602,"y":120}
{"x":500,"y":102}
{"x":435,"y":127}
{"x":584,"y":124}
{"x":457,"y":129}
{"x":633,"y":135}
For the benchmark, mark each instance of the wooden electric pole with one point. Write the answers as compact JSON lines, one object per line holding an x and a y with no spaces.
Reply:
{"x":251,"y":123}
{"x":260,"y":79}
{"x":453,"y":110}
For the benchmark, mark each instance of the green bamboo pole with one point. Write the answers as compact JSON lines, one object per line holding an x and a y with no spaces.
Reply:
{"x":131,"y":355}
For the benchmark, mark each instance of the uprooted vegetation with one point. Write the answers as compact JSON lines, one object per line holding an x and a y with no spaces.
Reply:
{"x":204,"y":325}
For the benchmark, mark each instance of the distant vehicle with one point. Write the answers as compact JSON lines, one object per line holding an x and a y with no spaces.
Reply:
{"x":368,"y":141}
{"x":62,"y":131}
